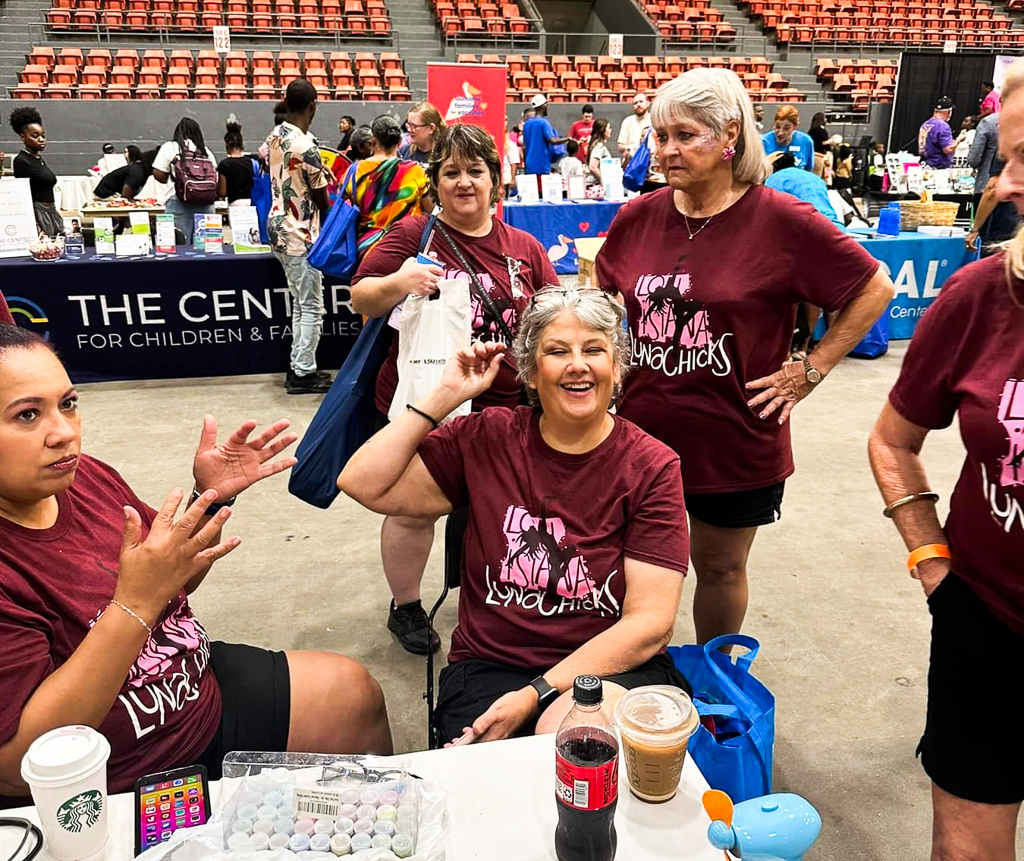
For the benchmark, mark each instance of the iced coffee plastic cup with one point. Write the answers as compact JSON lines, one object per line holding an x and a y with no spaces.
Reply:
{"x":655,"y":723}
{"x":66,"y":770}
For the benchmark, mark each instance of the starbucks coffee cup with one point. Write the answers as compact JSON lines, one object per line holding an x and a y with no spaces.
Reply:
{"x":66,"y":771}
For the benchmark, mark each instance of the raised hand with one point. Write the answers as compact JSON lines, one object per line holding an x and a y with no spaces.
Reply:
{"x":232,"y":466}
{"x":472,"y":370}
{"x":784,"y":389}
{"x":154,"y":570}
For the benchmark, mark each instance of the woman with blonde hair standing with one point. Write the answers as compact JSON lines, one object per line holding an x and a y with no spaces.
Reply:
{"x":967,"y":362}
{"x":711,"y":270}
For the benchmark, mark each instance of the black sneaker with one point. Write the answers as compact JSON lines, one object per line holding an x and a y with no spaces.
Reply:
{"x":409,"y":624}
{"x":306,"y":384}
{"x":291,"y":376}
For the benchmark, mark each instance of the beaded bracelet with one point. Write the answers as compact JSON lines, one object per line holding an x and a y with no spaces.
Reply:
{"x":133,"y":614}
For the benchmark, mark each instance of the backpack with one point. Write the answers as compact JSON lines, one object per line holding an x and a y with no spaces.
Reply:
{"x":195,"y":178}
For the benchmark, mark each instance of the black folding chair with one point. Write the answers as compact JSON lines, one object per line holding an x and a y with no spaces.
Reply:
{"x":454,"y":536}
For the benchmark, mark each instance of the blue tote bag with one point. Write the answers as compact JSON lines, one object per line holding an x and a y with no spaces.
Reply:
{"x":334,"y":252}
{"x":261,"y":198}
{"x":737,"y":756}
{"x":635,"y":174}
{"x":347,"y":417}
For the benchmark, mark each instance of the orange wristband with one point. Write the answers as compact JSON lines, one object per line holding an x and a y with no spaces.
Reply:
{"x":927,"y":551}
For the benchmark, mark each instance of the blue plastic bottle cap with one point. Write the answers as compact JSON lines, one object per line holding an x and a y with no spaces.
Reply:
{"x":238,"y":840}
{"x":341,"y":844}
{"x":320,"y":843}
{"x":242,"y":826}
{"x":263,"y":826}
{"x":401,"y":845}
{"x":260,"y":840}
{"x":284,"y":825}
{"x":299,"y":842}
{"x":360,"y":842}
{"x":345,"y":826}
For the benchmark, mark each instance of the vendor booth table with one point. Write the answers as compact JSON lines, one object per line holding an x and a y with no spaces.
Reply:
{"x":556,"y":225}
{"x":184,"y":315}
{"x":77,"y":191}
{"x":501,"y":805}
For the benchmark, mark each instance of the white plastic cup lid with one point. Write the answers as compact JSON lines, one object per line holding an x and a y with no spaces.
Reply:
{"x":64,"y":755}
{"x":656,"y":711}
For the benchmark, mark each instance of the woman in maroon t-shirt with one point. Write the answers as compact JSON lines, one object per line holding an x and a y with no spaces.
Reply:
{"x":711,"y":270}
{"x":574,"y":553}
{"x":966,"y":361}
{"x":510,"y":266}
{"x":95,"y":623}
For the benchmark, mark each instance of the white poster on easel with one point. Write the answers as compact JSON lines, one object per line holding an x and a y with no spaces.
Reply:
{"x":17,"y":218}
{"x":528,"y":186}
{"x":551,"y":186}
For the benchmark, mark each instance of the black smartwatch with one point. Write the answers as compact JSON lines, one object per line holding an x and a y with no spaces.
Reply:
{"x":546,"y":694}
{"x":213,"y":507}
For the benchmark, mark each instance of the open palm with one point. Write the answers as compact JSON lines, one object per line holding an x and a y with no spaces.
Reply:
{"x":230,"y":467}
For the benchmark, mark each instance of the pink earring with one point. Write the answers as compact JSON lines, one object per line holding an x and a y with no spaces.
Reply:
{"x":728,"y":153}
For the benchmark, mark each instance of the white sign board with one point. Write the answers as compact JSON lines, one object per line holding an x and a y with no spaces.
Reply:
{"x":551,"y":187}
{"x":615,"y":46}
{"x":17,"y":218}
{"x":245,"y":230}
{"x":949,"y":46}
{"x":221,"y":40}
{"x":528,"y":185}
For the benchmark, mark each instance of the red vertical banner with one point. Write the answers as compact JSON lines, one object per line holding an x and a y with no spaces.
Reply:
{"x":471,"y":93}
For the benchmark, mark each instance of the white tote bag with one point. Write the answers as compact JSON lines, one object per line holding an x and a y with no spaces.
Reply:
{"x":431,"y":331}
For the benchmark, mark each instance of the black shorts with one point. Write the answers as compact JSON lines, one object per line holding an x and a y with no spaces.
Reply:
{"x":255,"y":690}
{"x":972,"y":751}
{"x":468,"y":688}
{"x":737,"y":509}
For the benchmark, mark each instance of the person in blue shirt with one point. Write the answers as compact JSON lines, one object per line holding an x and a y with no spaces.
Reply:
{"x":804,"y":185}
{"x":786,"y":138}
{"x":540,"y":140}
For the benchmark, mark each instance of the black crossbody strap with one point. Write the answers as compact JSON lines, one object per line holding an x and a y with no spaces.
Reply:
{"x":471,"y":272}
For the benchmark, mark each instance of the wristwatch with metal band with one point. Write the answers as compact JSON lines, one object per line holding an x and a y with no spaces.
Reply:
{"x":814,"y":376}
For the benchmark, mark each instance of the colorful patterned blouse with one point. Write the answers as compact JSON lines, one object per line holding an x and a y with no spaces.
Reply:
{"x":384,"y":191}
{"x":295,"y":170}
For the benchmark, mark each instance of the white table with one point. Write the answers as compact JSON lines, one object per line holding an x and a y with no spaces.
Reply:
{"x":76,"y":191}
{"x":501,"y":802}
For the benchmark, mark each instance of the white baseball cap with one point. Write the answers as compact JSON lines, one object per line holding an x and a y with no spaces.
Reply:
{"x":538,"y":100}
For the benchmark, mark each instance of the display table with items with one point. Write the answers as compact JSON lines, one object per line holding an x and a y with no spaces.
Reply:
{"x":188,"y":314}
{"x":76,"y":192}
{"x":557,"y":225}
{"x":500,"y":803}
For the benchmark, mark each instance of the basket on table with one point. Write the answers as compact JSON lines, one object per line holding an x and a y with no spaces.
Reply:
{"x":938,"y":212}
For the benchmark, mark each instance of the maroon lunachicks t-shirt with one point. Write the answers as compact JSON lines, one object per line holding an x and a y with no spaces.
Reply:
{"x":54,"y":583}
{"x":710,"y":314}
{"x":967,"y":360}
{"x":511,"y":266}
{"x":548,"y":532}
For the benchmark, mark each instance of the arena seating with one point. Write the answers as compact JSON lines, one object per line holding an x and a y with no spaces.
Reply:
{"x":697,"y":21}
{"x":603,"y":79}
{"x":353,"y":18}
{"x":971,"y":22}
{"x":126,"y":73}
{"x":860,"y":81}
{"x":480,"y":18}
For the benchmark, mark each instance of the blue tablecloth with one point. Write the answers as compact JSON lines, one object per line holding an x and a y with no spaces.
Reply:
{"x":556,"y":225}
{"x":184,"y":315}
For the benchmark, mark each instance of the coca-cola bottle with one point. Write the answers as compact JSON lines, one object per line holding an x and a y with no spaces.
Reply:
{"x":586,"y":778}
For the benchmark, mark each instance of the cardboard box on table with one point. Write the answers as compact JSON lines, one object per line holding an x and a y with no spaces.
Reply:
{"x":586,"y":250}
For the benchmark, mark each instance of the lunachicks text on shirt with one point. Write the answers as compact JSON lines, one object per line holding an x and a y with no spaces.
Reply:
{"x":1005,"y":505}
{"x":673,"y":330}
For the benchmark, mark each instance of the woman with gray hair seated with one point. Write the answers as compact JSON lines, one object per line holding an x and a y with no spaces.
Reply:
{"x":711,"y":270}
{"x":575,"y":549}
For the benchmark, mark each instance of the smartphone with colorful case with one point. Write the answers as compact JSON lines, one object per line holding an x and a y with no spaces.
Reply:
{"x":168,"y":801}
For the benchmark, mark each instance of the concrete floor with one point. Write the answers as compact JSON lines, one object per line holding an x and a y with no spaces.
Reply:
{"x":844,"y":630}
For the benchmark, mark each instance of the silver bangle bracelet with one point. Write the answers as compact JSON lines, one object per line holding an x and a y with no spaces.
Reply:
{"x":927,"y":495}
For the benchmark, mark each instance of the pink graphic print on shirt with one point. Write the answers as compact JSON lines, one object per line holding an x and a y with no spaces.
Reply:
{"x":667,"y":315}
{"x":175,"y":636}
{"x":485,"y":324}
{"x":1011,"y":417}
{"x":538,"y":558}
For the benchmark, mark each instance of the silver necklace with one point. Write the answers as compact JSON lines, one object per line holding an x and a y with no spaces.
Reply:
{"x":690,"y":234}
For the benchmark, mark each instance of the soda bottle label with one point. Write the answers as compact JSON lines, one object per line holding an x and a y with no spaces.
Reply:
{"x":586,"y":787}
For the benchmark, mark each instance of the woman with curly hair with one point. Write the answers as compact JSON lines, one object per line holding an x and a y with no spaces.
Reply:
{"x":28,"y":164}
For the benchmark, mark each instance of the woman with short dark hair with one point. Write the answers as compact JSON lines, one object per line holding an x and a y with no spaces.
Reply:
{"x":29,"y":164}
{"x":96,"y":626}
{"x":509,"y":265}
{"x":574,"y":551}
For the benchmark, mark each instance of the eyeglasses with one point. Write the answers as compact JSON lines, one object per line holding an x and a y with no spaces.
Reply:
{"x":414,"y":126}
